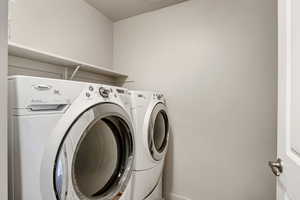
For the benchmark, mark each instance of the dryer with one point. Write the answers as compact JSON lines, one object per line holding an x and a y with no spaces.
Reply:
{"x":68,"y":141}
{"x":152,"y":130}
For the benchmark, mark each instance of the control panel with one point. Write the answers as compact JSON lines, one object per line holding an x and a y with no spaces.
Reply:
{"x":159,"y":97}
{"x":101,"y":91}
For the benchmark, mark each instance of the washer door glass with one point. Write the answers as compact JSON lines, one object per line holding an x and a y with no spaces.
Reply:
{"x":97,"y":159}
{"x":94,"y":163}
{"x":158,"y":131}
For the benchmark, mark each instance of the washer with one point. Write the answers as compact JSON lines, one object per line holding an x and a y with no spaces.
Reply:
{"x":68,"y":141}
{"x":152,"y":130}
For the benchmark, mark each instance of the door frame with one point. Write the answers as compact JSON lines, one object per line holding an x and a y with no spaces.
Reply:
{"x":3,"y":97}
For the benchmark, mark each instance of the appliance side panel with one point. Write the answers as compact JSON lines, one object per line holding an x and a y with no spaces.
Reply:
{"x":29,"y":139}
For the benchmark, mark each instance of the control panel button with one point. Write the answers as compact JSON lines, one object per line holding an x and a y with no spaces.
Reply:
{"x":91,"y":88}
{"x":88,"y":94}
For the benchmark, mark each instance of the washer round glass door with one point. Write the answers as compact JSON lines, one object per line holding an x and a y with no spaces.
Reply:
{"x":95,"y":157}
{"x":159,"y":129}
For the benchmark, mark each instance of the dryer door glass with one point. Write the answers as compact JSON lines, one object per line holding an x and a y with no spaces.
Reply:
{"x":94,"y":163}
{"x":158,"y":131}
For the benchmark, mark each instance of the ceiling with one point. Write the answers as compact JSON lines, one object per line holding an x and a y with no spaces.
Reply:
{"x":121,"y":9}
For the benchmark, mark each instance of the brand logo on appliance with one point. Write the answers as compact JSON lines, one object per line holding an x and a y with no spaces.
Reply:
{"x":37,"y":101}
{"x":42,"y":87}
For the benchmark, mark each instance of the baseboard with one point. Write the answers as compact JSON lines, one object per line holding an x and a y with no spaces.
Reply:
{"x":173,"y":196}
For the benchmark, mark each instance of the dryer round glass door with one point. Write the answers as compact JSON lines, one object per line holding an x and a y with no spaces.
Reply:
{"x":158,"y":132}
{"x":95,"y":158}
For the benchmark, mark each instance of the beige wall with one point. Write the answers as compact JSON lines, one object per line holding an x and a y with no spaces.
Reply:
{"x":70,"y":28}
{"x":3,"y":100}
{"x":216,"y":62}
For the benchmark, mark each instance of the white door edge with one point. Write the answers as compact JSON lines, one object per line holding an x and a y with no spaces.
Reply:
{"x":288,"y":167}
{"x":3,"y":98}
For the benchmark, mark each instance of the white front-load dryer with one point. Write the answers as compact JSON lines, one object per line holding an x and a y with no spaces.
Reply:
{"x":68,"y":141}
{"x":152,"y":130}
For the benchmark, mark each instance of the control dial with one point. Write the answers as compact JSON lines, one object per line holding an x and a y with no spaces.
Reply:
{"x":104,"y":92}
{"x":160,"y":96}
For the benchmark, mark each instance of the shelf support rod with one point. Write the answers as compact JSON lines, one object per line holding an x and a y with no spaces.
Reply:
{"x":74,"y":72}
{"x":65,"y":74}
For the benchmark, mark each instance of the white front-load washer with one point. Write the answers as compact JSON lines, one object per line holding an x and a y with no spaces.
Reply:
{"x":68,"y":141}
{"x":152,"y":130}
